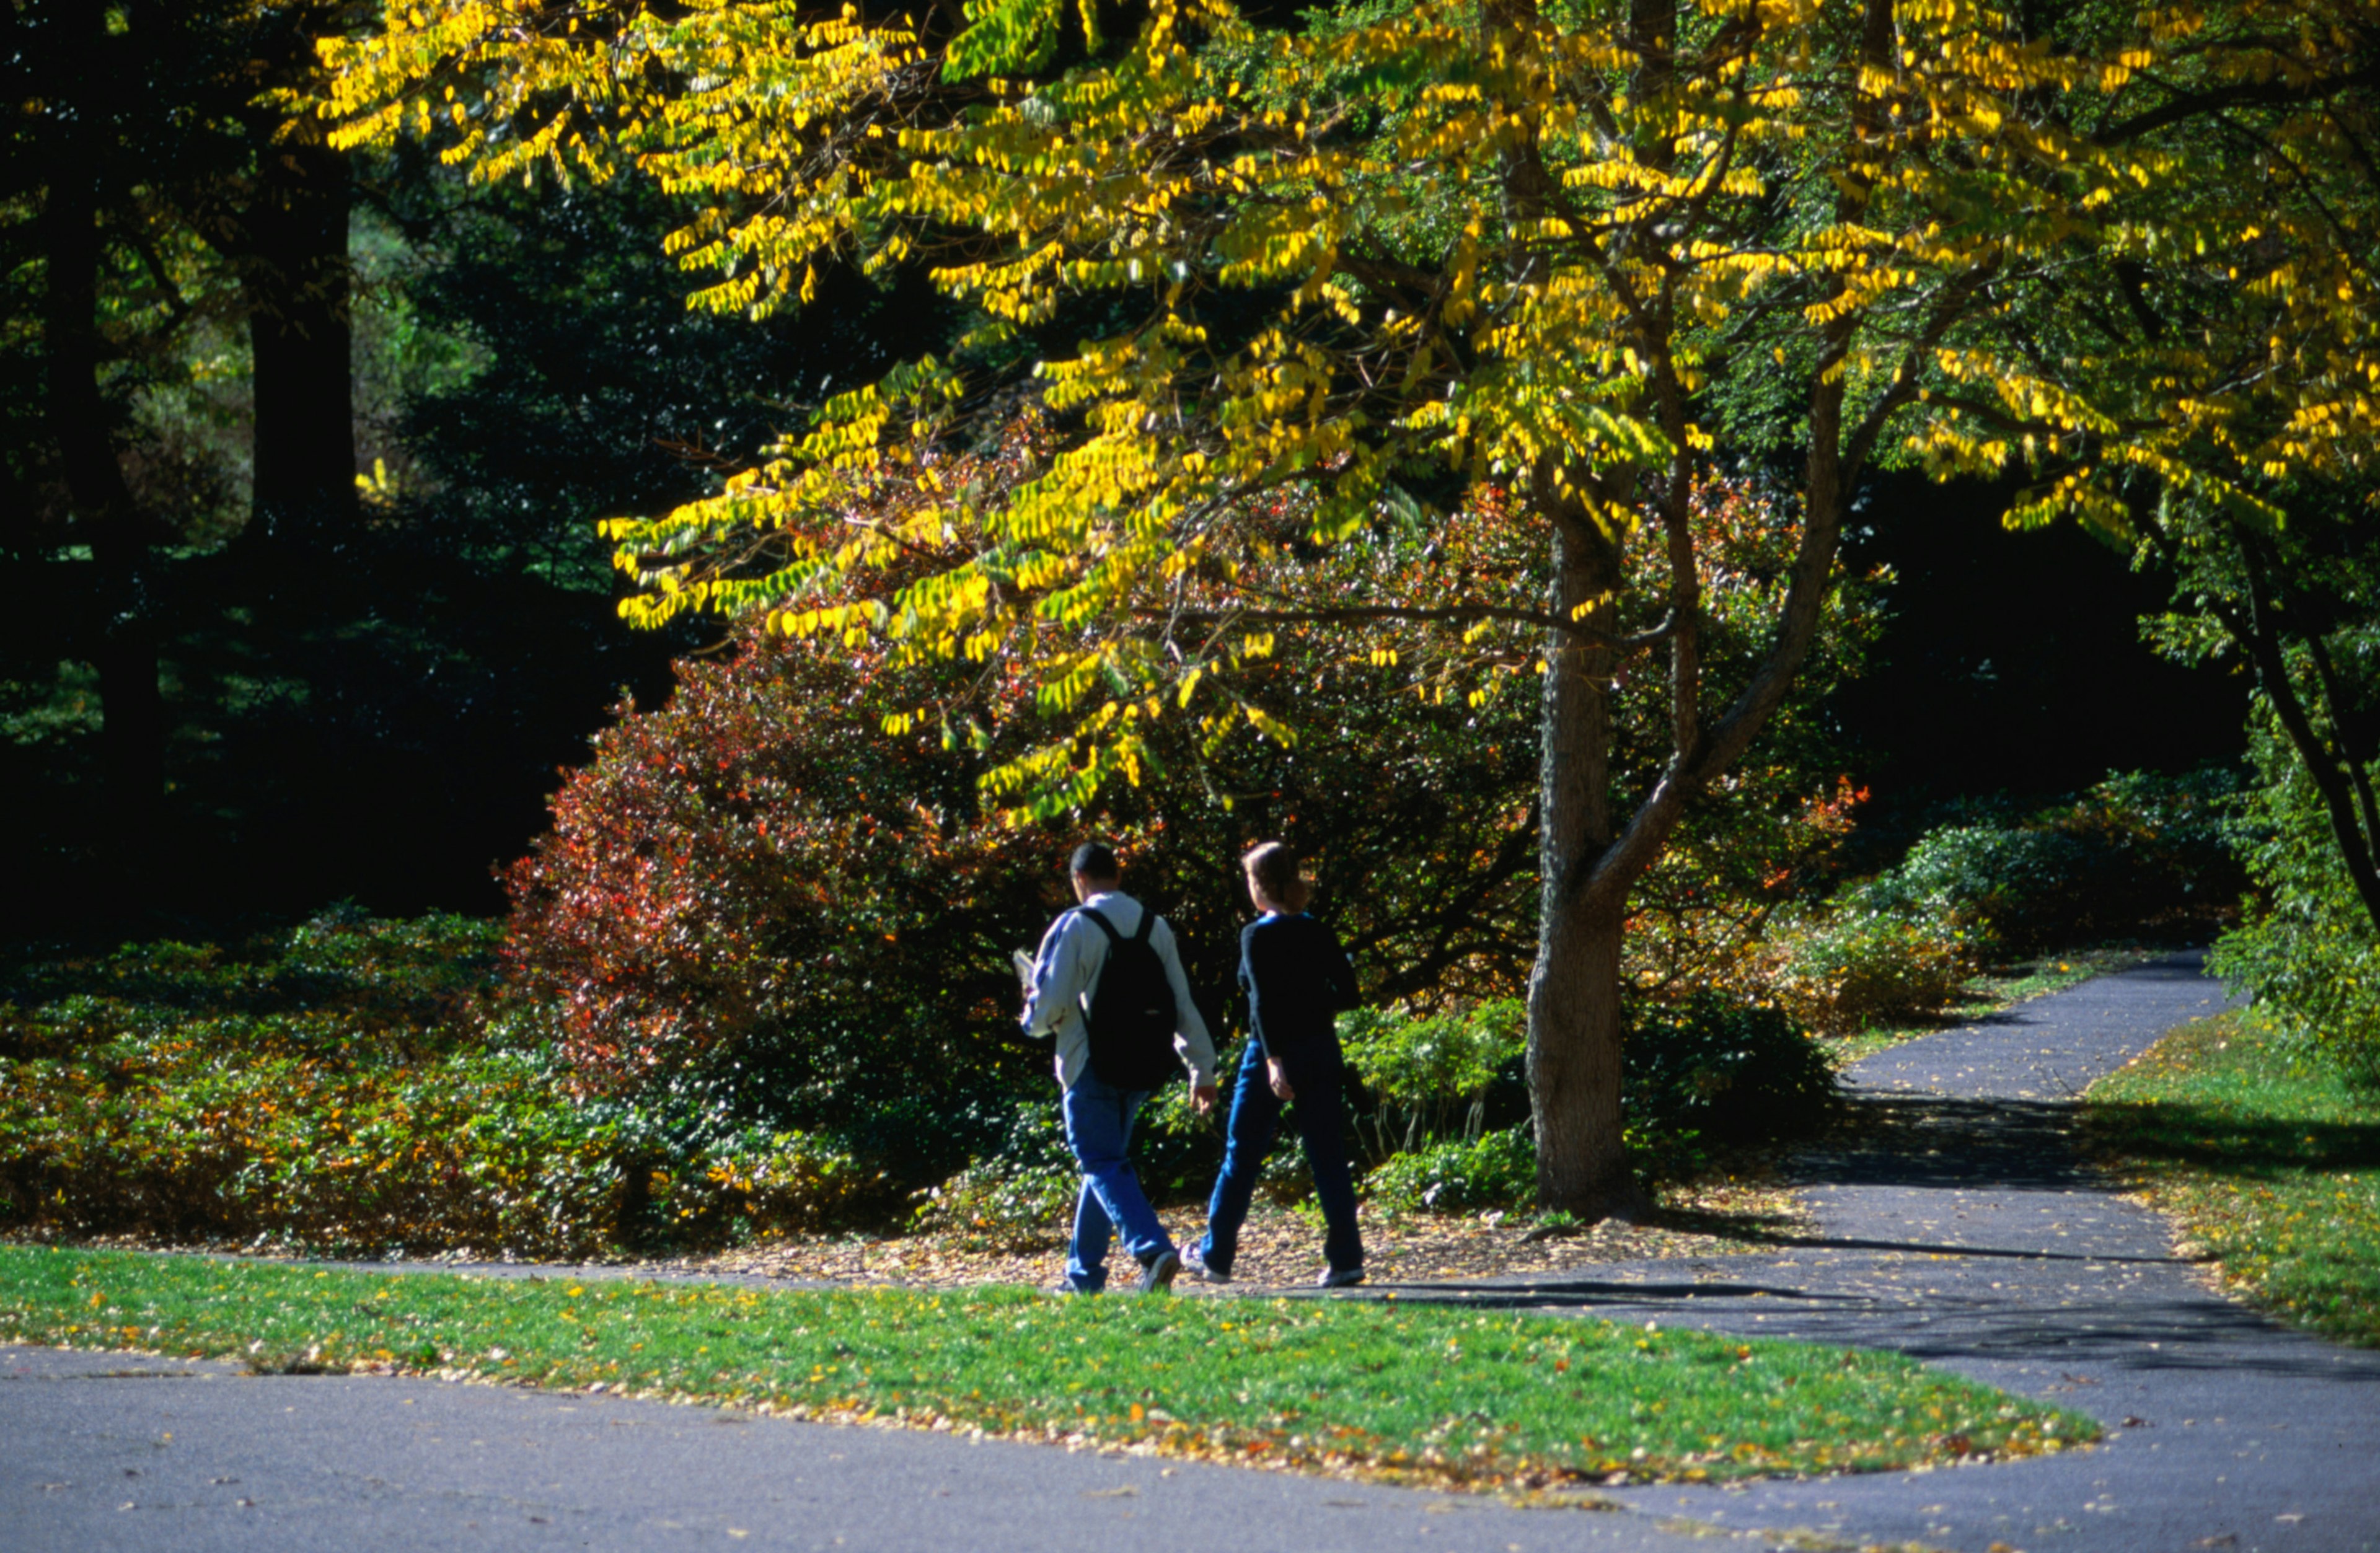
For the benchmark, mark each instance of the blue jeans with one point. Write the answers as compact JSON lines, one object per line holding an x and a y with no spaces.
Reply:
{"x":1255,"y":1114}
{"x":1099,"y":1131}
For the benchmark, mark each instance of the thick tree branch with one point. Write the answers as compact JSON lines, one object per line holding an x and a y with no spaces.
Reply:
{"x":1451,"y":614}
{"x":2355,"y":755}
{"x":2262,"y":639}
{"x":2268,"y":93}
{"x":1513,"y":856}
{"x":1834,"y":460}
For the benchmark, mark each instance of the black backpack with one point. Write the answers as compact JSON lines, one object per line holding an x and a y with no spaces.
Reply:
{"x":1131,"y":1012}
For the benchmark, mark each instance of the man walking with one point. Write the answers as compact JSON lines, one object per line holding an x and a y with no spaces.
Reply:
{"x":1111,"y":928}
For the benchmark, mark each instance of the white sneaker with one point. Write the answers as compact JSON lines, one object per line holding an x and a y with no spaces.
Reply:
{"x":1340,"y":1278}
{"x":1194,"y":1258}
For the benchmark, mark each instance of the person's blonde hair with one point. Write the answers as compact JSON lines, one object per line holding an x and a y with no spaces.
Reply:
{"x":1272,"y":868}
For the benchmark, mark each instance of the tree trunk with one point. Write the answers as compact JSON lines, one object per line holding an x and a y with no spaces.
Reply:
{"x":2336,"y":773}
{"x":124,"y":636}
{"x":295,"y":280}
{"x":1575,"y":1016}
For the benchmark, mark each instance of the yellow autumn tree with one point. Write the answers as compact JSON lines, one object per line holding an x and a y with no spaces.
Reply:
{"x":1282,"y":290}
{"x":2206,"y":386}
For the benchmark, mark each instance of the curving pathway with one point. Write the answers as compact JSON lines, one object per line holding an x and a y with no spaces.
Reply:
{"x":1961,"y":1228}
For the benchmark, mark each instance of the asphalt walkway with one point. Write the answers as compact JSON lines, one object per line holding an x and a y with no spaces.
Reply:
{"x":1962,"y":1228}
{"x":1959,"y":1227}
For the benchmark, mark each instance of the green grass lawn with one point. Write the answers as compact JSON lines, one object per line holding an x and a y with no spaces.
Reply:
{"x":2274,"y":1169}
{"x":1385,"y":1388}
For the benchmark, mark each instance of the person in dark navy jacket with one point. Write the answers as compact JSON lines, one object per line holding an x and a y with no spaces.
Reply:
{"x":1297,"y":979}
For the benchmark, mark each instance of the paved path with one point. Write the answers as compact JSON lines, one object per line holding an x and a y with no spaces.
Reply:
{"x":1959,"y":1228}
{"x":1962,"y":1230}
{"x":101,"y":1453}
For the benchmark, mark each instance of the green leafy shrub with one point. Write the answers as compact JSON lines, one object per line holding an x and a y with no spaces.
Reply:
{"x":2016,"y":883}
{"x":1449,"y":1104}
{"x":1495,"y":1170}
{"x":2307,"y":959}
{"x":1429,"y":1076}
{"x":1862,"y":965}
{"x":2314,"y":980}
{"x":1019,"y":1196}
{"x":2137,"y":855}
{"x":1725,"y":1070}
{"x":758,"y":1179}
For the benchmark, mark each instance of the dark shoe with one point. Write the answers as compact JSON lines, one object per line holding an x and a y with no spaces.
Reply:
{"x":1157,"y":1278}
{"x":1340,"y":1278}
{"x":1194,"y":1262}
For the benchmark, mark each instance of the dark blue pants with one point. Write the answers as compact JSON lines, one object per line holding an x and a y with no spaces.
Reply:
{"x":1099,"y":1129}
{"x":1255,"y":1114}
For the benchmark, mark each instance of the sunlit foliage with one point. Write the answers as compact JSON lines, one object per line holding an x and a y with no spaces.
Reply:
{"x":1293,"y":295}
{"x":1333,"y":280}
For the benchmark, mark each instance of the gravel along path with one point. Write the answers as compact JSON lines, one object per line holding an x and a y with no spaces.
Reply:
{"x":1957,"y":1224}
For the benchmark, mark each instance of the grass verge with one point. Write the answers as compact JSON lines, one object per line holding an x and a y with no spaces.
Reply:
{"x":2273,"y":1167}
{"x":1386,"y":1390}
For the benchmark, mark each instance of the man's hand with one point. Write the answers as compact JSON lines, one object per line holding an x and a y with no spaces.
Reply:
{"x":1278,"y":1077}
{"x":1202,"y":1097}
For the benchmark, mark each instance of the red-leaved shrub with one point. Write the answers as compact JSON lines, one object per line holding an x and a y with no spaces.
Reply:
{"x":756,"y":890}
{"x":778,"y":900}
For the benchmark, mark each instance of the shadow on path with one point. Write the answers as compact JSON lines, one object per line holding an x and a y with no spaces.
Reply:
{"x":1958,"y":1221}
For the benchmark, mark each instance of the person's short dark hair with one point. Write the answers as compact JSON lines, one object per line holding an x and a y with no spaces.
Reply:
{"x":1096,"y":860}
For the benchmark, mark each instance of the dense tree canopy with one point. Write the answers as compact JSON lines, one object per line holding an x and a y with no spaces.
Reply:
{"x":2206,"y":386}
{"x":1343,"y":274}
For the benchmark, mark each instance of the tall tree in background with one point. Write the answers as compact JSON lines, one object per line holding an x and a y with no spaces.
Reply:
{"x":2206,"y":388}
{"x":1290,"y":291}
{"x":145,"y":138}
{"x":76,"y":157}
{"x":288,"y":238}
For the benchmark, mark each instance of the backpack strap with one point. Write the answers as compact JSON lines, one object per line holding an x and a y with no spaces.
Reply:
{"x":1139,"y":934}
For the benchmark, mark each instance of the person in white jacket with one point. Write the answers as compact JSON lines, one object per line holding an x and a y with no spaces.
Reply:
{"x":1100,"y":1116}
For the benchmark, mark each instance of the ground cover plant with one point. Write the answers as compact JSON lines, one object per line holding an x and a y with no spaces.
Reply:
{"x":362,"y":1086}
{"x":693,"y":1034}
{"x":1425,"y":1392}
{"x":366,"y":1087}
{"x":2271,"y":1163}
{"x":347,"y":1084}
